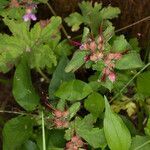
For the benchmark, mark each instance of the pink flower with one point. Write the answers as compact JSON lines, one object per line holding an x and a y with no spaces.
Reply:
{"x":29,"y":16}
{"x":58,"y":113}
{"x":93,"y":46}
{"x":112,"y":76}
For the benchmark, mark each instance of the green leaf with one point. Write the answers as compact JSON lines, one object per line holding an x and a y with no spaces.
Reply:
{"x":28,"y":145}
{"x":74,"y":109}
{"x":107,"y":84}
{"x":59,"y":76}
{"x":120,"y":44}
{"x":80,"y":124}
{"x":51,"y":29}
{"x":140,"y":143}
{"x":74,"y":20}
{"x":55,"y":139}
{"x":94,"y":104}
{"x":95,"y":137}
{"x":129,"y":61}
{"x":109,"y":32}
{"x":147,"y":128}
{"x":77,"y":61}
{"x":13,"y":13}
{"x":85,"y":34}
{"x":10,"y":49}
{"x":91,"y":15}
{"x":85,"y":123}
{"x":23,"y":89}
{"x":16,"y":131}
{"x":73,"y":90}
{"x":19,"y":29}
{"x":42,"y":57}
{"x":110,"y":12}
{"x":63,"y":48}
{"x":117,"y":134}
{"x":143,"y":83}
{"x":95,"y":85}
{"x":134,"y":44}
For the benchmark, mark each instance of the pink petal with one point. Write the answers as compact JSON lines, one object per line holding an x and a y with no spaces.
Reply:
{"x":112,"y":77}
{"x":26,"y":17}
{"x":33,"y":17}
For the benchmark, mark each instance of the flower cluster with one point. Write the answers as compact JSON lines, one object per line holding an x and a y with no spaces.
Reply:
{"x":109,"y":61}
{"x":97,"y":53}
{"x":75,"y":143}
{"x":60,"y":119}
{"x":29,"y":15}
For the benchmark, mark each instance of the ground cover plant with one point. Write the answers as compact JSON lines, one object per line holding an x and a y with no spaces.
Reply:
{"x":98,"y":93}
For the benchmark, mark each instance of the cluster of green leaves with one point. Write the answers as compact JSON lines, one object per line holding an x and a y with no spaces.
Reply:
{"x":91,"y":117}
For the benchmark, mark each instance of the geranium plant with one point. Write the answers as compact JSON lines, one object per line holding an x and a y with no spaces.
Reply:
{"x":94,"y":113}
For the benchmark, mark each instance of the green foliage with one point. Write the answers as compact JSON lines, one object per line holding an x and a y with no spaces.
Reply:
{"x":55,"y":139}
{"x":42,"y":57}
{"x":75,"y":21}
{"x":134,"y":44}
{"x":129,"y":61}
{"x":115,"y":130}
{"x":23,"y":90}
{"x":91,"y":16}
{"x":29,"y":145}
{"x":143,"y":83}
{"x":94,"y":104}
{"x":71,"y":101}
{"x":59,"y":75}
{"x":73,"y":90}
{"x":140,"y":143}
{"x":16,"y":131}
{"x":95,"y":137}
{"x":120,"y":44}
{"x":74,"y":109}
{"x":76,"y":62}
{"x":147,"y":128}
{"x":38,"y":44}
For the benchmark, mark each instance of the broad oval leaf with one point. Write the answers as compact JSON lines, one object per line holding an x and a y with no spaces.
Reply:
{"x":77,"y":61}
{"x":117,"y":134}
{"x":129,"y":61}
{"x":73,"y":90}
{"x":95,"y":104}
{"x":16,"y":131}
{"x":23,"y":90}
